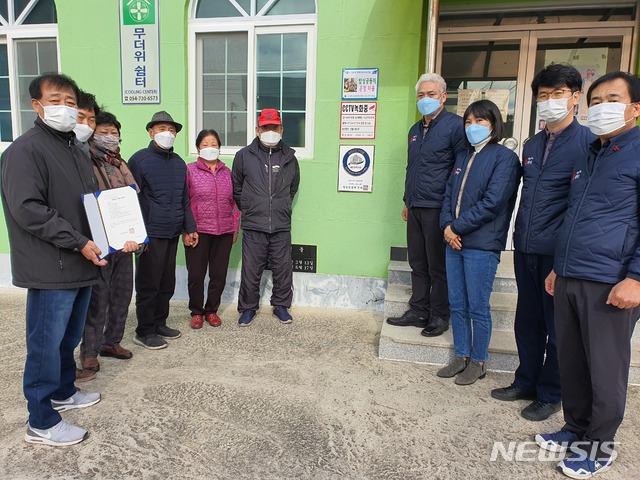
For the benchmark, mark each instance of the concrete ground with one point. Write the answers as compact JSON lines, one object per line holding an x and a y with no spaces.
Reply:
{"x":309,"y":400}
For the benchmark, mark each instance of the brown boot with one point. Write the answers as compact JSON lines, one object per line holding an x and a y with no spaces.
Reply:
{"x":84,"y":375}
{"x":115,"y":351}
{"x":91,"y":363}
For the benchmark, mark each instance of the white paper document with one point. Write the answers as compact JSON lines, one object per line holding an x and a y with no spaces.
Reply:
{"x":114,"y":218}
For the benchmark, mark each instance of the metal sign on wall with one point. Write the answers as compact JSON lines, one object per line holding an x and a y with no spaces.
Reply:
{"x":139,"y":51}
{"x":304,"y":258}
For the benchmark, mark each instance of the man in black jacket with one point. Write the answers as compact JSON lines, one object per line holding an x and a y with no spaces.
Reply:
{"x":44,"y":175}
{"x":265,"y":179}
{"x":434,"y":142}
{"x":161,"y":175}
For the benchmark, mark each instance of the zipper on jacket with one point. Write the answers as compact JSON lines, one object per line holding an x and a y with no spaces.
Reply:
{"x":575,"y":218}
{"x":270,"y":192}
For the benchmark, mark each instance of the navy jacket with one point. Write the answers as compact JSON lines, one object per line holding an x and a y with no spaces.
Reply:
{"x":487,"y":200}
{"x":162,"y":178}
{"x":545,"y":190}
{"x":599,"y":240}
{"x":430,"y":159}
{"x":265,"y":208}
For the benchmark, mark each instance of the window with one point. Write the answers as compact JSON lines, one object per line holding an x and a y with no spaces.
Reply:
{"x":25,"y":53}
{"x":246,"y":55}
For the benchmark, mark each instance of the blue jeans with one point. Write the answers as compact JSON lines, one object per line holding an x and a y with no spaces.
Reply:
{"x":55,"y":322}
{"x":470,"y":275}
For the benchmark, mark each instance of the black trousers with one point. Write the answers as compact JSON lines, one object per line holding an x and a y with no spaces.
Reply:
{"x":109,"y":307}
{"x":155,"y":283}
{"x":211,"y":252}
{"x":260,"y":249}
{"x":535,"y":331}
{"x":594,"y":352}
{"x":425,"y":243}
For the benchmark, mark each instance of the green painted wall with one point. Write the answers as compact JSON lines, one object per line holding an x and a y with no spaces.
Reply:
{"x":353,"y":231}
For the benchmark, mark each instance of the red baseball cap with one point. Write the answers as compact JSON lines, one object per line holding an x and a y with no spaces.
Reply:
{"x":269,"y":116}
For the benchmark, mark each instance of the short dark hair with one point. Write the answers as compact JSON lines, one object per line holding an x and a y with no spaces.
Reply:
{"x":58,"y":80}
{"x":106,"y":118}
{"x":555,"y":76}
{"x":87,"y":101}
{"x":489,"y":111}
{"x":633,"y":84}
{"x":205,"y":133}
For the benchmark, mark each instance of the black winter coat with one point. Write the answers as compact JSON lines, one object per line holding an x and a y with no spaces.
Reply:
{"x":487,"y":200}
{"x":44,"y":175}
{"x":545,"y":190}
{"x":430,"y":160}
{"x":263,"y":208}
{"x":600,"y":237}
{"x":161,"y":176}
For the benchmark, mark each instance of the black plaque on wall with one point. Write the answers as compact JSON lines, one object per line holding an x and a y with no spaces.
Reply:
{"x":304,"y":258}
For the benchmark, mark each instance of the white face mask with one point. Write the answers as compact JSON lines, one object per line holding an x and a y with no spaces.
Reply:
{"x":607,"y":117}
{"x":210,"y":153}
{"x":83,"y":132}
{"x":270,"y":138}
{"x":553,"y":110}
{"x":165,"y":139}
{"x":60,"y":117}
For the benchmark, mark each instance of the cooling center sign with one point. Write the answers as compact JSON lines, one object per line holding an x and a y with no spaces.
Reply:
{"x":139,"y":51}
{"x":355,"y":169}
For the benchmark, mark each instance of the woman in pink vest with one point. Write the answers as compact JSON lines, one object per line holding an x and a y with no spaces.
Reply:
{"x":216,"y":215}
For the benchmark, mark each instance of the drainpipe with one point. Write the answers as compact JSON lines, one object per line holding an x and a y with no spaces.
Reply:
{"x":432,"y":33}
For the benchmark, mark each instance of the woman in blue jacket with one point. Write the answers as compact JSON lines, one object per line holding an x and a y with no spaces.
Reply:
{"x":478,"y":203}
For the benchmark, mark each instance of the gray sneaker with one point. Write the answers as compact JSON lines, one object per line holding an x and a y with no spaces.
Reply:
{"x":60,"y":435}
{"x":77,"y":400}
{"x":152,"y":341}
{"x":168,"y":332}
{"x":457,"y":365}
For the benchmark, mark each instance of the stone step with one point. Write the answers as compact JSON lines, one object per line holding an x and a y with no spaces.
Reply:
{"x":503,"y":306}
{"x":406,"y":344}
{"x":399,"y":273}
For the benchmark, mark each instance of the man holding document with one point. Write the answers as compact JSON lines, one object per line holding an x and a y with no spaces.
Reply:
{"x":44,"y":175}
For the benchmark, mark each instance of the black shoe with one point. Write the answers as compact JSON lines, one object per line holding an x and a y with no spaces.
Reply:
{"x":437,"y":326}
{"x":168,"y":332}
{"x":408,"y":319}
{"x":511,"y":393}
{"x":152,"y":341}
{"x":538,"y":411}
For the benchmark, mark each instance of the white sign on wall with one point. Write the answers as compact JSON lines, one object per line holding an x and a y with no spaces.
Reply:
{"x":139,"y":51}
{"x":358,"y":120}
{"x":355,"y":169}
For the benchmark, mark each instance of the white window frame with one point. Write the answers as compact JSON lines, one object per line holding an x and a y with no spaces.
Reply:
{"x":254,"y":26}
{"x":9,"y":34}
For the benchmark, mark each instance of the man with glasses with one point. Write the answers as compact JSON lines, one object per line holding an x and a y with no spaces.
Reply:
{"x":434,"y":142}
{"x":548,"y":160}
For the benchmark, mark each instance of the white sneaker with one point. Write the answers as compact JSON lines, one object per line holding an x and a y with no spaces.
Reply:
{"x":77,"y":400}
{"x":60,"y":435}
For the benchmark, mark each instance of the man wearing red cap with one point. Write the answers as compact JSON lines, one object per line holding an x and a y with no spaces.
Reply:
{"x":265,"y":178}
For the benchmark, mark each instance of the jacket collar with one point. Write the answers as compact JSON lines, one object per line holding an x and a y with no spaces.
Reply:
{"x":256,"y":147}
{"x":619,"y":140}
{"x":202,"y":165}
{"x":160,"y":151}
{"x":65,"y":137}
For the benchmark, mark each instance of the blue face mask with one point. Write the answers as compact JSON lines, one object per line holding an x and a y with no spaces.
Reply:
{"x":477,"y":133}
{"x":428,"y":106}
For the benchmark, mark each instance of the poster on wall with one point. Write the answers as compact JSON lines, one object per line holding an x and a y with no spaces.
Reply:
{"x":590,"y":62}
{"x":139,"y":51}
{"x":359,"y":84}
{"x":358,"y":120}
{"x":355,"y":169}
{"x":499,"y":97}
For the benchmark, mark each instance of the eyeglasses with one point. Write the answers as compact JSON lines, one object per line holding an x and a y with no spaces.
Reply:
{"x":556,"y":94}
